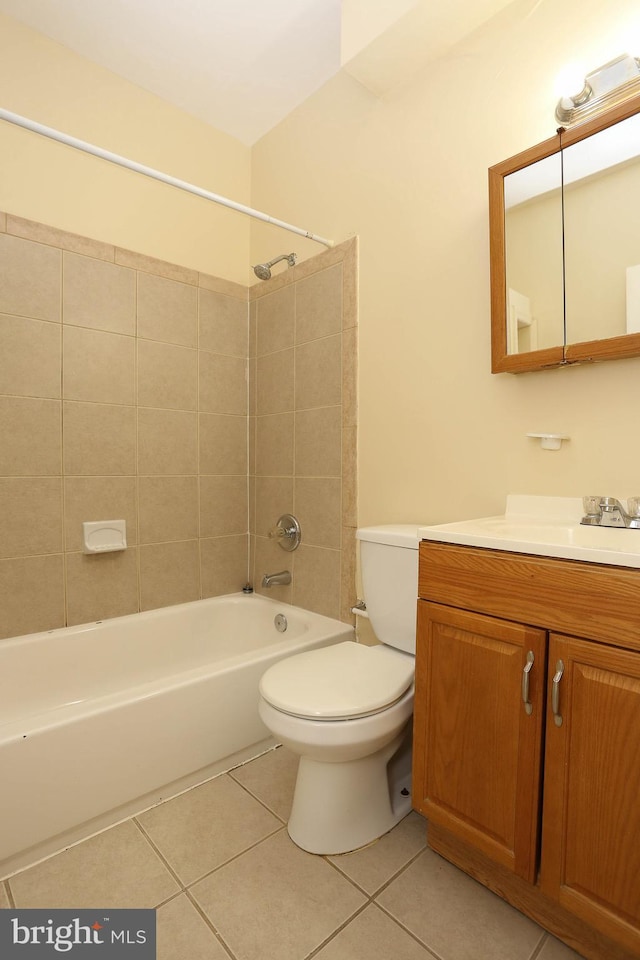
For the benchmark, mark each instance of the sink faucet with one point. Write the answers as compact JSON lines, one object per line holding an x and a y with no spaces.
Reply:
{"x":608,"y":512}
{"x":272,"y":579}
{"x":612,"y":513}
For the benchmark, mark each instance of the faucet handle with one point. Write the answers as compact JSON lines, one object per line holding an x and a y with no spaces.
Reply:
{"x":633,"y":506}
{"x":287,"y":532}
{"x":592,"y":505}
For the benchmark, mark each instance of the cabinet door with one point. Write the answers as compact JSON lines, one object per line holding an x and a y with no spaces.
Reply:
{"x":591,"y":821}
{"x":477,"y":750}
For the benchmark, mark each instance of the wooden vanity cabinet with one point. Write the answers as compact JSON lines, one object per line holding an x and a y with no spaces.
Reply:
{"x":477,"y":752}
{"x":590,"y":860}
{"x":540,"y":802}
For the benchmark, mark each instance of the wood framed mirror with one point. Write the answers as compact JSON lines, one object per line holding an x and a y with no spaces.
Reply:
{"x":565,"y":246}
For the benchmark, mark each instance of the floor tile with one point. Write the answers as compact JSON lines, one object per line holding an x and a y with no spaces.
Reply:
{"x":117,"y":868}
{"x":276,"y":902}
{"x":555,"y":950}
{"x":265,"y":899}
{"x":204,"y":827}
{"x":372,"y":935}
{"x":455,"y":916}
{"x":182,"y":933}
{"x":272,"y":779}
{"x":372,"y":866}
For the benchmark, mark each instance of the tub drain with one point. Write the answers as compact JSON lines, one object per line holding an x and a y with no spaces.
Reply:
{"x":280,"y":622}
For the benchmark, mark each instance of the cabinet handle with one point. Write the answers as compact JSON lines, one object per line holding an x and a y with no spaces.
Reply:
{"x":528,"y":706}
{"x":555,"y":693}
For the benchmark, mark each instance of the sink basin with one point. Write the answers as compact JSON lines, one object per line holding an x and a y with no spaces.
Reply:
{"x":545,"y":526}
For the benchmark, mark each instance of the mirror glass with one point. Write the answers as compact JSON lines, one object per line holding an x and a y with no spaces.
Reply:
{"x":602,"y":241}
{"x":565,"y":246}
{"x":533,"y":256}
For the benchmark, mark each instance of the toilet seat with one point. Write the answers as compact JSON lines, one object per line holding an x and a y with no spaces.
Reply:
{"x":340,"y":682}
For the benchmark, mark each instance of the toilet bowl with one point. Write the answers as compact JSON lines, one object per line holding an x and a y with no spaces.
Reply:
{"x":346,"y":710}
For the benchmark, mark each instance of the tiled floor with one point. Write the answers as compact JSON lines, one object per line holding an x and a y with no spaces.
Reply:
{"x":218,"y":864}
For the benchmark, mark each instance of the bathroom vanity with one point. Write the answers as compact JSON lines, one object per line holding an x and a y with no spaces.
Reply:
{"x":527,"y":716}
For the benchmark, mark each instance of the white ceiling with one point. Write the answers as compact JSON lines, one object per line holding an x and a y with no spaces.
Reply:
{"x":240,"y":65}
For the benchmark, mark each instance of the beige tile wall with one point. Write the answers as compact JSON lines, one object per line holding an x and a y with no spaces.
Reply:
{"x":122,"y":395}
{"x":303,"y":347}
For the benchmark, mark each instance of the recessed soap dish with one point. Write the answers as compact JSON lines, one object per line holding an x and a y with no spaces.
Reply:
{"x":104,"y":536}
{"x":549,"y":441}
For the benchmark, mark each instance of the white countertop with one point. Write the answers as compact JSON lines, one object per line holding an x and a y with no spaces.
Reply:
{"x":546,"y":527}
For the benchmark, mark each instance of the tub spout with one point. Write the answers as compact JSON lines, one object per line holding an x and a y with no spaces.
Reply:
{"x":271,"y":579}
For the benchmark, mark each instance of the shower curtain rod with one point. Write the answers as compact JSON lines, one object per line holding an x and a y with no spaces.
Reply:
{"x":154,"y":174}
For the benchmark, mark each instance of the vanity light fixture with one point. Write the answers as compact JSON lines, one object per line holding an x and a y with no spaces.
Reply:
{"x":604,"y":87}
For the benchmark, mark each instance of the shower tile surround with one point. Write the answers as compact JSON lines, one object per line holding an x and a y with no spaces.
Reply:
{"x":302,"y":428}
{"x":123,"y":393}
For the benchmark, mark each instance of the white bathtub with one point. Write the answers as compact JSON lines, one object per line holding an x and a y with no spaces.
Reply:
{"x":102,"y":720}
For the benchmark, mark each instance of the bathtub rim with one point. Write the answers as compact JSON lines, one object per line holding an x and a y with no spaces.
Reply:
{"x":171,"y":786}
{"x":10,"y":724}
{"x":146,"y":615}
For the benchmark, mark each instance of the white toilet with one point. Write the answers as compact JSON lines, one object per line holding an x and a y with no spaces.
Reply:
{"x":346,"y":709}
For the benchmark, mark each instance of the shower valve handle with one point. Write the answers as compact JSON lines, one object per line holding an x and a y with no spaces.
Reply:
{"x":287,"y":532}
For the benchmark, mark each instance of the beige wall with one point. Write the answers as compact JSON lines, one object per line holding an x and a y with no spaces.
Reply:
{"x":56,"y":185}
{"x":123,"y":395}
{"x":440,"y":438}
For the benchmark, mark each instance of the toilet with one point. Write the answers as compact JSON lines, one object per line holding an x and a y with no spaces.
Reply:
{"x":346,"y":709}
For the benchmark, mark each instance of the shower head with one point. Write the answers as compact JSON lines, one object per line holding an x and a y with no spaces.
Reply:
{"x":263,"y":270}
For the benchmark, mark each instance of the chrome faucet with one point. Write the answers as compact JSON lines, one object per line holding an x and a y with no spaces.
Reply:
{"x":273,"y":579}
{"x":612,"y":513}
{"x":609,"y":512}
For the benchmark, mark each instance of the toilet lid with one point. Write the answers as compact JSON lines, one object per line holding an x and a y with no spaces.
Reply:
{"x":339,"y":682}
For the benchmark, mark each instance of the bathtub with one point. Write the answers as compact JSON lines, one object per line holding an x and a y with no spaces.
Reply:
{"x":102,"y":720}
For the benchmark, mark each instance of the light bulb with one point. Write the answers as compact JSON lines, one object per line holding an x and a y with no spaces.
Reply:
{"x":569,"y":82}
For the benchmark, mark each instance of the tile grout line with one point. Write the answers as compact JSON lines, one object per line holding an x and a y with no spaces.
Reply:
{"x":63,"y":481}
{"x":338,"y":930}
{"x":294,"y":432}
{"x":236,"y":856}
{"x":160,"y":855}
{"x":251,"y":388}
{"x":399,"y":873}
{"x":9,"y":894}
{"x":372,"y":898}
{"x":326,"y":857}
{"x":185,"y":892}
{"x":407,"y":930}
{"x":186,"y":886}
{"x":256,"y":798}
{"x":192,"y":900}
{"x":388,"y":882}
{"x":537,"y":950}
{"x":198,"y":456}
{"x":137,"y":447}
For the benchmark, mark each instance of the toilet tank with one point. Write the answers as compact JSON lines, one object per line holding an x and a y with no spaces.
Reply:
{"x":389,"y":565}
